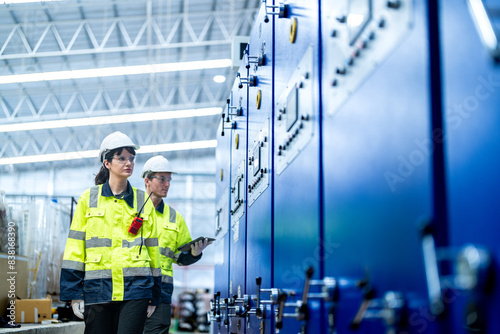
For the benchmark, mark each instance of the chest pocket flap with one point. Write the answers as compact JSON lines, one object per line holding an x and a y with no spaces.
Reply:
{"x":95,"y":213}
{"x":96,"y":226}
{"x":171,"y":227}
{"x":93,"y":258}
{"x":136,"y":257}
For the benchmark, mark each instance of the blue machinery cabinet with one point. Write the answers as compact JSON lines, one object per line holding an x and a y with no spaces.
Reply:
{"x":222,"y":243}
{"x":357,"y":181}
{"x":259,"y":187}
{"x":377,"y":179}
{"x":238,"y":104}
{"x":471,"y":96}
{"x":296,"y":164}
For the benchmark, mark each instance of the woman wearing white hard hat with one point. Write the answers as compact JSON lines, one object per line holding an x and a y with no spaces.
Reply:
{"x":111,"y":265}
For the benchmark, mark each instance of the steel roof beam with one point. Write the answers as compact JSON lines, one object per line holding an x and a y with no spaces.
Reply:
{"x":118,"y":25}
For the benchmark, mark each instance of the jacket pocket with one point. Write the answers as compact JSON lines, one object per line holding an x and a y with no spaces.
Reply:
{"x":140,"y":260}
{"x":93,"y":258}
{"x":139,"y":272}
{"x":168,"y":237}
{"x":93,"y":262}
{"x":94,"y":273}
{"x":96,"y":224}
{"x":172,"y":230}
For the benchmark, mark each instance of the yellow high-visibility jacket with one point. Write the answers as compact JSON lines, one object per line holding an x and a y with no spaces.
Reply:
{"x":102,"y":261}
{"x":172,"y":233}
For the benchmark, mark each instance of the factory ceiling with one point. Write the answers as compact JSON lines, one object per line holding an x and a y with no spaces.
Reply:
{"x":74,"y":71}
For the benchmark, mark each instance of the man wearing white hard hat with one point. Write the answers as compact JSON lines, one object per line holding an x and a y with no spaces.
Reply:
{"x":110,"y":271}
{"x":172,"y":233}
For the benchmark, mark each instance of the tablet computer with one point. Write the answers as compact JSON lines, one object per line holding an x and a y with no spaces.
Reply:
{"x":187,"y":247}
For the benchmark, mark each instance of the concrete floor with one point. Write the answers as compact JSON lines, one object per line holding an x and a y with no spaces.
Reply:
{"x":72,"y":327}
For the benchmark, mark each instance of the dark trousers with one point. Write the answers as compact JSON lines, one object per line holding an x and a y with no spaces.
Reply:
{"x":125,"y":317}
{"x":159,"y":321}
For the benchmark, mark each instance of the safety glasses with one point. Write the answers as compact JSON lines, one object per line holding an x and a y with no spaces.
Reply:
{"x":123,"y":159}
{"x":162,"y":179}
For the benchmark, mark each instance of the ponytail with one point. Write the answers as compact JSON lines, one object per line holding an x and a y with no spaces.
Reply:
{"x":103,"y":174}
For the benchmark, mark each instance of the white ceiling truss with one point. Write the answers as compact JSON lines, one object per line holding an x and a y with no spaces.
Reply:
{"x":106,"y":101}
{"x":130,"y":34}
{"x":69,"y":140}
{"x":77,"y":35}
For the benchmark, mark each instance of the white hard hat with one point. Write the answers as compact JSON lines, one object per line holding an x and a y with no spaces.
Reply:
{"x":157,"y":164}
{"x":115,"y":140}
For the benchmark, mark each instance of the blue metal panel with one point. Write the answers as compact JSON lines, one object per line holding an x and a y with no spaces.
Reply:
{"x":377,"y":162}
{"x":222,"y":244}
{"x":471,"y":82}
{"x":296,"y":155}
{"x":259,"y":187}
{"x":238,"y":200}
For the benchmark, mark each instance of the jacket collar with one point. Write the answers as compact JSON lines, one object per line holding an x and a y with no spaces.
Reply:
{"x":128,"y":197}
{"x":160,"y":207}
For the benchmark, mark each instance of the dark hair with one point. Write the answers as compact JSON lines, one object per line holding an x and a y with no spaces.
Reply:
{"x":103,"y":174}
{"x":150,"y":175}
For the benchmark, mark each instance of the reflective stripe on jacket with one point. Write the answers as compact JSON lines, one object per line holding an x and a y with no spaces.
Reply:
{"x":101,"y":261}
{"x":172,"y":233}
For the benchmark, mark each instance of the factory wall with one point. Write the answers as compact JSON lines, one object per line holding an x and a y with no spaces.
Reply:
{"x":357,"y":171}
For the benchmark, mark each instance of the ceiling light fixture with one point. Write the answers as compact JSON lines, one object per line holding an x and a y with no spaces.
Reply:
{"x":115,"y":119}
{"x":115,"y":71}
{"x":219,"y":78}
{"x":94,"y":153}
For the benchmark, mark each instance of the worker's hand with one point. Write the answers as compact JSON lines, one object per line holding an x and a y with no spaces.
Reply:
{"x":199,"y":246}
{"x":78,"y":307}
{"x":151,"y":310}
